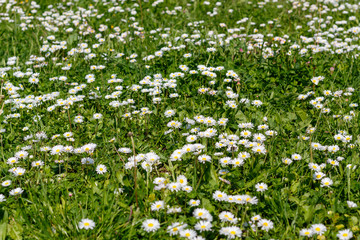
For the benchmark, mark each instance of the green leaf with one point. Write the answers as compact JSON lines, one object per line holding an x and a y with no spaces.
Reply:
{"x":3,"y":226}
{"x":15,"y":230}
{"x":294,"y":187}
{"x":308,"y":213}
{"x":207,"y":205}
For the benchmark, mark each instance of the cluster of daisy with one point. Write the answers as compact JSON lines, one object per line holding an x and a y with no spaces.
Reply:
{"x":330,"y":27}
{"x":181,"y":184}
{"x":238,"y":199}
{"x":320,"y":229}
{"x":329,"y":98}
{"x":147,"y":160}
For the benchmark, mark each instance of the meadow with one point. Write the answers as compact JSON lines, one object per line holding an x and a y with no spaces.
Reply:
{"x":179,"y":119}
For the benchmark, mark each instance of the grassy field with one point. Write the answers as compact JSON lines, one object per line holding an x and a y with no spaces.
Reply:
{"x":176,"y":119}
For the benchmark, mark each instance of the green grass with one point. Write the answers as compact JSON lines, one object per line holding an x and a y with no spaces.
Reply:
{"x":57,"y":196}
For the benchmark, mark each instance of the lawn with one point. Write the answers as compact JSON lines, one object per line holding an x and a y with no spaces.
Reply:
{"x":179,"y":119}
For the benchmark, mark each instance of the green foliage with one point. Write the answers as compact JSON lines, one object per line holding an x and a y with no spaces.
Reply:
{"x":63,"y":190}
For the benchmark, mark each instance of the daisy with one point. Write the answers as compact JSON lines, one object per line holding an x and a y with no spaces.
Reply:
{"x":201,"y":213}
{"x":219,"y":196}
{"x":318,"y":229}
{"x":256,"y":103}
{"x":6,"y":183}
{"x":318,"y":175}
{"x":287,"y":161}
{"x":244,"y":155}
{"x":258,"y":137}
{"x":204,"y":158}
{"x":326,"y":182}
{"x":87,"y":161}
{"x":169,"y":113}
{"x":296,"y":157}
{"x":345,"y":234}
{"x":306,"y":232}
{"x":37,"y":163}
{"x":231,"y":232}
{"x":156,"y":206}
{"x":21,"y":154}
{"x":265,"y":224}
{"x":225,"y":161}
{"x":174,"y":187}
{"x":259,"y":149}
{"x":261,"y":187}
{"x":2,"y":198}
{"x":175,"y":228}
{"x":159,"y":180}
{"x":227,"y":217}
{"x":68,"y":134}
{"x":194,"y":202}
{"x":97,"y":116}
{"x":19,"y":171}
{"x":117,"y":191}
{"x":351,"y":204}
{"x":188,"y":233}
{"x":182,"y":180}
{"x":187,"y":188}
{"x":101,"y":169}
{"x":314,"y":166}
{"x":86,"y":224}
{"x":333,"y":148}
{"x":151,"y":225}
{"x":12,"y":160}
{"x":16,"y":191}
{"x":57,"y":150}
{"x":203,"y":226}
